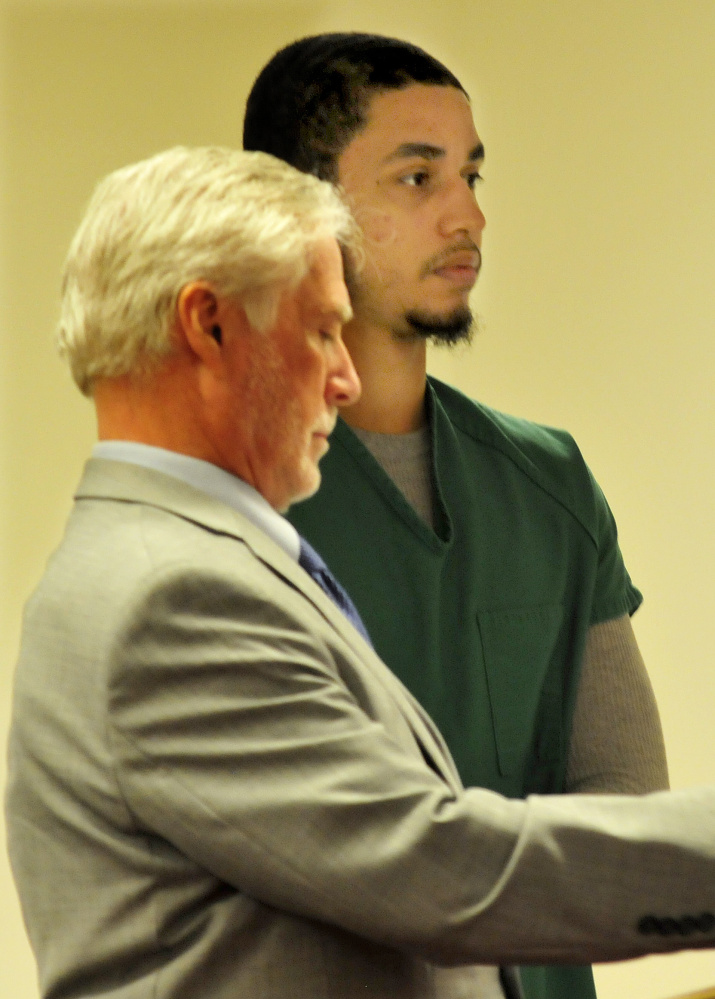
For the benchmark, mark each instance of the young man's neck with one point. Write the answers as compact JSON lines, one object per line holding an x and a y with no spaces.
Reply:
{"x":393,"y":376}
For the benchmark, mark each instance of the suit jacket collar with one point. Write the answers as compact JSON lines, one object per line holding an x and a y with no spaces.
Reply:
{"x":124,"y":482}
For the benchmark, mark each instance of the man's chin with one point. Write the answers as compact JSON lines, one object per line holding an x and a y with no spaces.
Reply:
{"x":308,"y":487}
{"x":457,"y":327}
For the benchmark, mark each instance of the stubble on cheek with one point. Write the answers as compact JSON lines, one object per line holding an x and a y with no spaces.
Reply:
{"x":265,"y":397}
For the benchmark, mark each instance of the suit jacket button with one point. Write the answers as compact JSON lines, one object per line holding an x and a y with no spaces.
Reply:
{"x":649,"y":925}
{"x":669,"y":926}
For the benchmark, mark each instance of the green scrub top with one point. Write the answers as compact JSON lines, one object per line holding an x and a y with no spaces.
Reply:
{"x":485,"y":617}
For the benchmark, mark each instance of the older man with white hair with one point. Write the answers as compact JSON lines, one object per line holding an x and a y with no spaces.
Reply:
{"x":216,"y":788}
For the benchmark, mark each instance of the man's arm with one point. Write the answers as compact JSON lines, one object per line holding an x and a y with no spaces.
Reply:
{"x":617,"y":739}
{"x":276,"y":758}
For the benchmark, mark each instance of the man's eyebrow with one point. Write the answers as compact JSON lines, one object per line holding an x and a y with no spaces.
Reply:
{"x":423,"y":149}
{"x":429,"y":152}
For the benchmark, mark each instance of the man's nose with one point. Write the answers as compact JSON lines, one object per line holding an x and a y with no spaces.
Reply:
{"x":343,"y":387}
{"x":462,"y":212}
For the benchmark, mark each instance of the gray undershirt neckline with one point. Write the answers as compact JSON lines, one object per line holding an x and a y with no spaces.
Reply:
{"x":407,"y":460}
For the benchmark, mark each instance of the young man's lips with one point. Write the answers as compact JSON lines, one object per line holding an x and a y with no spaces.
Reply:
{"x":463,"y":274}
{"x":460,"y":266}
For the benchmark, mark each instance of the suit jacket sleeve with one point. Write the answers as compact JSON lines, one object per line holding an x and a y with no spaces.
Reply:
{"x":249,"y":735}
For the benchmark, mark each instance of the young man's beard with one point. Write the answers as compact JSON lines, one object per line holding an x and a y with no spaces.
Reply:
{"x":458,"y":327}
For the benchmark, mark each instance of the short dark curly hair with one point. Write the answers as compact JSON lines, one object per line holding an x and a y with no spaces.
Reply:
{"x":312,"y":97}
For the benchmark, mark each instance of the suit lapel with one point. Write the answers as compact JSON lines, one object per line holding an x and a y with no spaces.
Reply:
{"x":125,"y":482}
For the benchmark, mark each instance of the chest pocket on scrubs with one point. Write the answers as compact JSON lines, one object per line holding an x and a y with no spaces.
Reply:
{"x":518,"y":647}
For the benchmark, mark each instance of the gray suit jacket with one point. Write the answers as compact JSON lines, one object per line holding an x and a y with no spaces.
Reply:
{"x":217,"y":790}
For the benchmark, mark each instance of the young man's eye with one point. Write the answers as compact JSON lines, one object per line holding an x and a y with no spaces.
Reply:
{"x":418,"y":178}
{"x":473,"y":179}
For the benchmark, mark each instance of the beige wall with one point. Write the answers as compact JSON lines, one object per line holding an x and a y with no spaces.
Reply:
{"x":597,"y":293}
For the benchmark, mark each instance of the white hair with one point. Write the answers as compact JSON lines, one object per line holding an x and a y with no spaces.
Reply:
{"x":243,"y":221}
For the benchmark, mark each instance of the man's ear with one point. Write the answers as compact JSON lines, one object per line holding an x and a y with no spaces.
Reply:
{"x":198,"y":321}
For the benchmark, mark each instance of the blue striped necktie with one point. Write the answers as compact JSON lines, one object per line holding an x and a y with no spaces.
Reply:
{"x":318,"y":570}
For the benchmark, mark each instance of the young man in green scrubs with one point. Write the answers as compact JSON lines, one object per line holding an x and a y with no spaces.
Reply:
{"x":478,"y":548}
